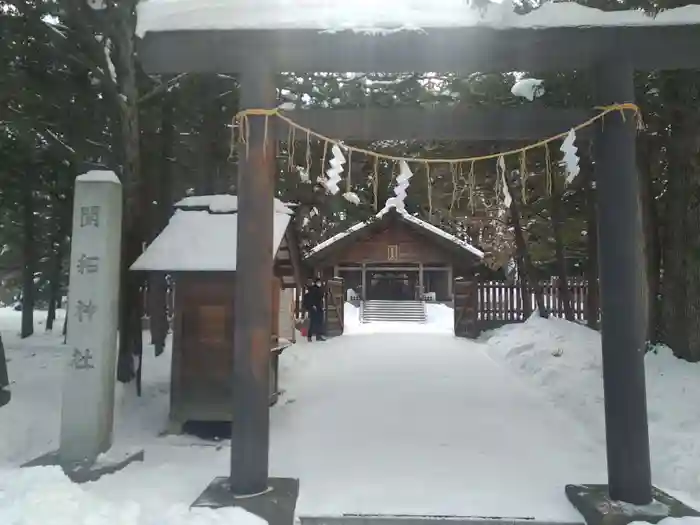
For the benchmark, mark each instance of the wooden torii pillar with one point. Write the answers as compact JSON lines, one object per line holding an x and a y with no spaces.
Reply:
{"x":622,"y":284}
{"x":250,"y":430}
{"x":249,"y":484}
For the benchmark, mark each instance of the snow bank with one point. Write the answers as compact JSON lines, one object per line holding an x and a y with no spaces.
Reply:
{"x":43,"y":495}
{"x":351,"y":317}
{"x":565,"y":360}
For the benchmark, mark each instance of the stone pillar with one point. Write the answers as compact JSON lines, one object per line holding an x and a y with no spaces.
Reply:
{"x":622,"y":281}
{"x":93,"y":301}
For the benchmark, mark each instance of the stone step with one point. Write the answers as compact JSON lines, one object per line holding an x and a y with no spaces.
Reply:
{"x":392,"y":320}
{"x":394,"y":310}
{"x":388,"y":301}
{"x":358,"y":519}
{"x":397,"y":311}
{"x":389,"y":315}
{"x":395,"y":307}
{"x":396,"y":303}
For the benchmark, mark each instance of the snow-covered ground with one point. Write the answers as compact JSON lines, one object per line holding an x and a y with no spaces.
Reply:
{"x":400,"y":423}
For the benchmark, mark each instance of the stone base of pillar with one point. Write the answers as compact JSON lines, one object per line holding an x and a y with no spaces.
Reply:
{"x":85,"y":472}
{"x":277,"y":506}
{"x":596,"y":507}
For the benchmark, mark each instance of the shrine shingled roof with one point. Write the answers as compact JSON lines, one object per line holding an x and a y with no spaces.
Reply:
{"x":430,"y":229}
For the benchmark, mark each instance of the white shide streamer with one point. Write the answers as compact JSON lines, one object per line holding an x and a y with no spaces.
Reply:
{"x":507,"y":199}
{"x":570,"y":160}
{"x":333,"y":173}
{"x":403,"y":181}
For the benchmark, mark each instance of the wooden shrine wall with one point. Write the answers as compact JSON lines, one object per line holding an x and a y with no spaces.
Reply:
{"x":396,"y":244}
{"x":203,"y":343}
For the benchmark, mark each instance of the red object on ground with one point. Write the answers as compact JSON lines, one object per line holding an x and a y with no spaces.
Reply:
{"x":303,"y":326}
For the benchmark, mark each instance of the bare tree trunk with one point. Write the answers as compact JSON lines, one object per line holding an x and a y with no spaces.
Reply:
{"x":557,"y":220}
{"x":591,"y":269}
{"x":522,"y":251}
{"x":131,"y":307}
{"x":62,"y":223}
{"x":692,"y":311}
{"x":157,"y":285}
{"x":680,"y":280}
{"x":650,"y":163}
{"x":54,"y":284}
{"x":4,"y":379}
{"x":212,"y":132}
{"x":29,"y":255}
{"x":524,"y":290}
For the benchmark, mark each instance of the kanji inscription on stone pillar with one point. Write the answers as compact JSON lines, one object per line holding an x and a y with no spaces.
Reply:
{"x":93,"y":295}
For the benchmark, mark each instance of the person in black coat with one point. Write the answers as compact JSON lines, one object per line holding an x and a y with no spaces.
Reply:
{"x":313,"y":304}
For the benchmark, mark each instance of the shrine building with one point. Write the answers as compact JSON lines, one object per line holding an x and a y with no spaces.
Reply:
{"x":395,"y":256}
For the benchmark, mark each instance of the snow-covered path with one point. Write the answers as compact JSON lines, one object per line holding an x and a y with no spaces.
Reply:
{"x":425,"y":425}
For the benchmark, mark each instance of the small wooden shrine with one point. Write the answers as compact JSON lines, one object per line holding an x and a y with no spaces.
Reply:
{"x":198,"y":249}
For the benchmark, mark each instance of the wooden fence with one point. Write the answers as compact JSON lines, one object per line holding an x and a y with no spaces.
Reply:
{"x":501,"y":302}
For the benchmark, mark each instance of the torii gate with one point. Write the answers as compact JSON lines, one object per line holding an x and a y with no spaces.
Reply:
{"x":614,"y":52}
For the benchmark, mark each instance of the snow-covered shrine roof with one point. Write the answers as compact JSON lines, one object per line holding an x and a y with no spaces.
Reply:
{"x":202,"y":236}
{"x":404,"y":215}
{"x":378,"y":16}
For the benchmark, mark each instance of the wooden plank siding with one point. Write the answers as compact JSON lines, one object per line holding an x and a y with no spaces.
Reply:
{"x":203,"y":344}
{"x":396,"y":244}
